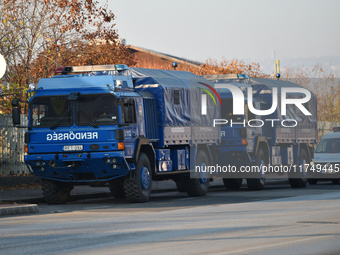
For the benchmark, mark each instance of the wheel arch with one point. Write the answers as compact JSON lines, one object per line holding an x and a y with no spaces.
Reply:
{"x":306,"y":148}
{"x":150,"y":153}
{"x":206,"y":150}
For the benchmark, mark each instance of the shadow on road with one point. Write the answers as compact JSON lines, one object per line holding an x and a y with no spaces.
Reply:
{"x":171,"y":200}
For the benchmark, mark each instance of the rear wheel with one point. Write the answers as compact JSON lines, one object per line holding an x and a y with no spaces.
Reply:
{"x":299,"y":178}
{"x":312,"y":181}
{"x":258,"y":182}
{"x":56,"y":192}
{"x":181,"y":184}
{"x":232,"y":184}
{"x":335,"y":181}
{"x":138,"y":188}
{"x":199,"y":186}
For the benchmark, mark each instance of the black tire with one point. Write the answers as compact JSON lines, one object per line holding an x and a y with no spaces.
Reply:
{"x":199,"y":186}
{"x":233,"y":184}
{"x":335,"y":182}
{"x":312,"y":181}
{"x":55,"y":192}
{"x":138,"y":189}
{"x":117,"y":189}
{"x":258,"y":182}
{"x":181,"y":184}
{"x":299,"y":178}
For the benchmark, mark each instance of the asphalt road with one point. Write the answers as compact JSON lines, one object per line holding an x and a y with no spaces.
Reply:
{"x":277,"y":220}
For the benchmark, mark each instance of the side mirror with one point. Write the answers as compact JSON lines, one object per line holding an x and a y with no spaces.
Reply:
{"x":16,"y":112}
{"x":73,"y":96}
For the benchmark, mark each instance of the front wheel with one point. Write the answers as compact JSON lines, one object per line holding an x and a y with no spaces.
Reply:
{"x":117,"y":189}
{"x":55,"y":192}
{"x":137,"y":189}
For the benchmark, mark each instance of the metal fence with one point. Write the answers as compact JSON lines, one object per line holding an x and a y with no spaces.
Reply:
{"x":12,"y":144}
{"x":12,"y":147}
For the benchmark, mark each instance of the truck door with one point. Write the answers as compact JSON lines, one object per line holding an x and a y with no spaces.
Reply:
{"x":128,"y":111}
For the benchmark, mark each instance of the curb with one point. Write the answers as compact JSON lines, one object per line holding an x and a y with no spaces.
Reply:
{"x":18,"y":180}
{"x":18,"y":209}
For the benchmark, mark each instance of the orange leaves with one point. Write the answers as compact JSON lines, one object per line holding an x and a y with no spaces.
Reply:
{"x":229,"y":66}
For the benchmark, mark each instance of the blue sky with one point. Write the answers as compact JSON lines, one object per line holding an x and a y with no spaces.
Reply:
{"x":242,"y":29}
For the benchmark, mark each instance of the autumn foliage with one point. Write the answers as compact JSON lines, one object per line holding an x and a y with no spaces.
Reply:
{"x":212,"y":66}
{"x":228,"y":67}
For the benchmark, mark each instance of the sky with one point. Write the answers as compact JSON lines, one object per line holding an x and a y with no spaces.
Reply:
{"x":251,"y":30}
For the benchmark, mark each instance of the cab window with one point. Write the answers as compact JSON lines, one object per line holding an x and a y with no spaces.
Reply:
{"x":128,"y":110}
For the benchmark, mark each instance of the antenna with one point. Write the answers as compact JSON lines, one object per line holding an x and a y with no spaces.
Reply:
{"x":277,"y":69}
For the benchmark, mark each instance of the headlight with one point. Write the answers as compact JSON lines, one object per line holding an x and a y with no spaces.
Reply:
{"x":111,"y":161}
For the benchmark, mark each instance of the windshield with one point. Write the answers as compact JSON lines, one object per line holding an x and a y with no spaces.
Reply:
{"x":227,"y":111}
{"x":58,"y":111}
{"x":46,"y":111}
{"x":97,"y":110}
{"x":329,"y":146}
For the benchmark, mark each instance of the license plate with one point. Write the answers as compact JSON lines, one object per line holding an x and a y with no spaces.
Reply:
{"x":73,"y":147}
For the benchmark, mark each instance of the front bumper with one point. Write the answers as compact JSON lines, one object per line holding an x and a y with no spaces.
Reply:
{"x":78,"y":167}
{"x":233,"y":156}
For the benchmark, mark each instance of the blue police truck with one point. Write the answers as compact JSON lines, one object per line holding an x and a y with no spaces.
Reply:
{"x":283,"y":142}
{"x":118,"y":126}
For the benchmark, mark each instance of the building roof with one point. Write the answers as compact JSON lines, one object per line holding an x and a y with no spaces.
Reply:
{"x":166,"y":56}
